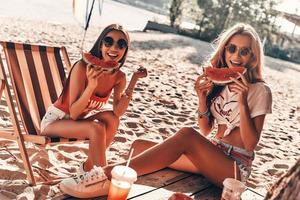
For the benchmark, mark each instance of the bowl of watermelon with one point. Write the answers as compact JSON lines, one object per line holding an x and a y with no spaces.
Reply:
{"x":95,"y":61}
{"x":221,"y":76}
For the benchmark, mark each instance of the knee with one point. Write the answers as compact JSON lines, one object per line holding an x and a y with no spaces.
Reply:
{"x":187,"y":134}
{"x":97,"y":130}
{"x":140,"y":143}
{"x":187,"y":131}
{"x":111,"y":120}
{"x":136,"y":143}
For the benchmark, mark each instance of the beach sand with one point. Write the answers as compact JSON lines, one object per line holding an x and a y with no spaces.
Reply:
{"x":162,"y":103}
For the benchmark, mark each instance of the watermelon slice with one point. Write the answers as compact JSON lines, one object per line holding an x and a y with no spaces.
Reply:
{"x":221,"y":76}
{"x":93,"y":60}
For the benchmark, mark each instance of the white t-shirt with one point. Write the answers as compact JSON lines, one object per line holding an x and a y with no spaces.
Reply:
{"x":225,"y":107}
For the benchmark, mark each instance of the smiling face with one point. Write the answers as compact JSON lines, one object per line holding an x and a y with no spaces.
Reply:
{"x":238,"y":51}
{"x":114,"y":46}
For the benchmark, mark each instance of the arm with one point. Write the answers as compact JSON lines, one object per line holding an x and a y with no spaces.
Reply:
{"x":121,"y":101}
{"x":203,"y":87}
{"x":79,"y":93}
{"x":250,"y":128}
{"x":204,"y":123}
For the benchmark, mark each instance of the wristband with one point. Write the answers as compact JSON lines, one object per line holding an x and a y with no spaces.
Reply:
{"x":204,"y":114}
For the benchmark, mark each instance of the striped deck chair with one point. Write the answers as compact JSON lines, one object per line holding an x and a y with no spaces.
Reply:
{"x":31,"y":79}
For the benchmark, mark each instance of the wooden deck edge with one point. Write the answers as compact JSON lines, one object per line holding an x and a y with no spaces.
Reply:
{"x":164,"y":185}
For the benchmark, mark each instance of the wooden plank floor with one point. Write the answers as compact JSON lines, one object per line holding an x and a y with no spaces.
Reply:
{"x":188,"y":185}
{"x":162,"y":184}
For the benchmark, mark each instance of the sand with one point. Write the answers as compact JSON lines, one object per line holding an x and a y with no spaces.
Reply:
{"x":162,"y":103}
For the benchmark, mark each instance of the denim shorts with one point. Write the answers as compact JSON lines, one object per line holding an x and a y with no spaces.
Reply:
{"x":53,"y":114}
{"x":242,"y":157}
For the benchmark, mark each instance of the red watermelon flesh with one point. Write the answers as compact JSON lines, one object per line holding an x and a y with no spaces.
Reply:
{"x":221,"y":76}
{"x":93,"y":60}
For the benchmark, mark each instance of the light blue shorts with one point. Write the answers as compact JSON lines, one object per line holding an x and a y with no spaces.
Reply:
{"x":242,"y":157}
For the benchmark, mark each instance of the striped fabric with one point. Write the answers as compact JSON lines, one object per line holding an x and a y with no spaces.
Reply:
{"x":37,"y":76}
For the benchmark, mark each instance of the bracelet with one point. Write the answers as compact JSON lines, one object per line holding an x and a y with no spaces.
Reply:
{"x":204,"y":114}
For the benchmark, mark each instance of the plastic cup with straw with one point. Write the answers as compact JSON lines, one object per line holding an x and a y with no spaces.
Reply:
{"x":122,"y":180}
{"x":233,"y":188}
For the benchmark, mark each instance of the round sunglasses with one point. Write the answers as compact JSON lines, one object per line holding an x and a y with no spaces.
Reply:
{"x":232,"y":48}
{"x":109,"y":42}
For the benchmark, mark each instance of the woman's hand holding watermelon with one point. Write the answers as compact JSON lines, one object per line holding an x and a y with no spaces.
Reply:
{"x":203,"y":86}
{"x":240,"y":87}
{"x":92,"y":75}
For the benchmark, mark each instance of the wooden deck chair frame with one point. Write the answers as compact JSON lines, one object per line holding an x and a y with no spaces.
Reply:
{"x":31,"y":80}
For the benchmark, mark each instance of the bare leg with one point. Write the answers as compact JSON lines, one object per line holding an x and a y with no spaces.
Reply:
{"x":94,"y":131}
{"x":111,"y":122}
{"x":183,"y":163}
{"x":208,"y":159}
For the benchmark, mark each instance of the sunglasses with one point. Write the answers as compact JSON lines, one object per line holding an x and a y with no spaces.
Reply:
{"x":232,"y":48}
{"x":109,"y":42}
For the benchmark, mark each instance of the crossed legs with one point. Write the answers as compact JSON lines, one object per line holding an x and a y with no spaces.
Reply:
{"x":187,"y":150}
{"x":182,"y":163}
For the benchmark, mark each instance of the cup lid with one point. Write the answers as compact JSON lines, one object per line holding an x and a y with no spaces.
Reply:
{"x":234,"y":184}
{"x":123,"y":173}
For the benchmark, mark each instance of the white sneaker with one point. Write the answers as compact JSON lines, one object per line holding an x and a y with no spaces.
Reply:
{"x":87,"y":185}
{"x":80,"y":169}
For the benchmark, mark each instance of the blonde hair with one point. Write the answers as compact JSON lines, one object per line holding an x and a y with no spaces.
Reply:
{"x":254,"y":72}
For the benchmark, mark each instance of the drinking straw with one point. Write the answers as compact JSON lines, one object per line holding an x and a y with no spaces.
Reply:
{"x":128,"y":161}
{"x":235,"y":170}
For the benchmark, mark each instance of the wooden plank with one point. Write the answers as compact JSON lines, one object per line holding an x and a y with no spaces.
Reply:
{"x":188,"y":186}
{"x":36,"y":139}
{"x":161,"y":177}
{"x":7,"y":134}
{"x":250,"y":194}
{"x":153,"y":181}
{"x":162,"y":184}
{"x":211,"y":193}
{"x":214,"y":193}
{"x":66,"y":58}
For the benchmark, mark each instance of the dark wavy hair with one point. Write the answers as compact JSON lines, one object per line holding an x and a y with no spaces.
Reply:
{"x":113,"y":27}
{"x":96,"y":50}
